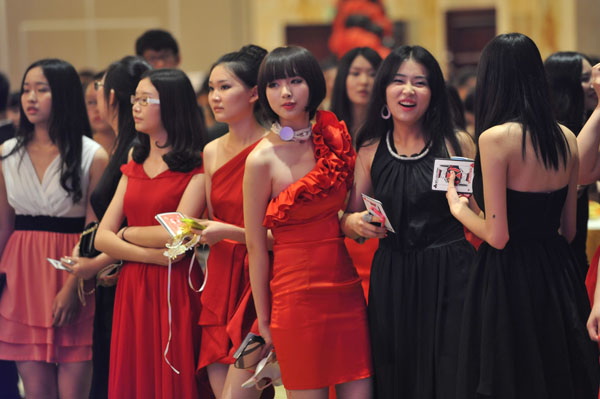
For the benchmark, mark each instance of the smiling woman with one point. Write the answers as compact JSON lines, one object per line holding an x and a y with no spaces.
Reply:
{"x":420,"y":271}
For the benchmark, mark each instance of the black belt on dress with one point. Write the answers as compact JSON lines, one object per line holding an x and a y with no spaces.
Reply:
{"x":49,"y":223}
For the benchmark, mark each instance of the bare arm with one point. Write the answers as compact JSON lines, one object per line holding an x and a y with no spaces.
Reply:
{"x":257,"y":193}
{"x":494,"y":227}
{"x":108,"y":242}
{"x":352,"y":223}
{"x":7,"y":214}
{"x":569,"y":213}
{"x":192,"y":204}
{"x":588,"y":139}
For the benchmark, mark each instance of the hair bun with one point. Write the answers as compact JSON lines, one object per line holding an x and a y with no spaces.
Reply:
{"x":256,"y":53}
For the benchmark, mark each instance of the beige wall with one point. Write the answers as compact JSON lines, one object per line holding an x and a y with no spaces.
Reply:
{"x":92,"y":33}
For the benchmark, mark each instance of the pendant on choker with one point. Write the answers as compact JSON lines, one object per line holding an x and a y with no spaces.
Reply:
{"x":286,"y":133}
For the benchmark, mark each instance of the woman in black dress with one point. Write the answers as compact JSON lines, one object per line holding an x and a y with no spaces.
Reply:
{"x":113,"y":94}
{"x":523,"y":333}
{"x":419,"y":273}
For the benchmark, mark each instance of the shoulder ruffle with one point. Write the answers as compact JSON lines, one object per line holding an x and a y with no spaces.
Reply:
{"x":335,"y":167}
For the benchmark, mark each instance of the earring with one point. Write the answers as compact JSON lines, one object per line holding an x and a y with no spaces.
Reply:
{"x":385,"y":112}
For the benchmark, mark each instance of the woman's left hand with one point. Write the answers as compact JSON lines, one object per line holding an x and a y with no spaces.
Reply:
{"x":212,"y":233}
{"x":66,"y":305}
{"x":455,"y":201}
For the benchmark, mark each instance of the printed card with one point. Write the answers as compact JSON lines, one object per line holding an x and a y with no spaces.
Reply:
{"x":375,"y":208}
{"x":58,"y":265}
{"x":463,"y":171}
{"x":171,"y":221}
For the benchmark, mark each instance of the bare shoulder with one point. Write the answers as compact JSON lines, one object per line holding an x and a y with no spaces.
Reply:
{"x":501,"y":135}
{"x":570,"y":136}
{"x":261,"y":155}
{"x":209,"y":154}
{"x":366,"y":153}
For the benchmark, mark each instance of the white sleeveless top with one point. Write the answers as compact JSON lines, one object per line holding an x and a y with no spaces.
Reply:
{"x":28,"y":196}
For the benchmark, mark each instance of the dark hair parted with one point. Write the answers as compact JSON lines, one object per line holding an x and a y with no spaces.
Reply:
{"x":181,"y":117}
{"x":512,"y":87}
{"x":457,"y":108}
{"x":244,"y":64}
{"x":340,"y":103}
{"x":563,"y":71}
{"x":68,"y":121}
{"x":436,"y":122}
{"x":286,"y":62}
{"x":122,"y":78}
{"x":156,"y":39}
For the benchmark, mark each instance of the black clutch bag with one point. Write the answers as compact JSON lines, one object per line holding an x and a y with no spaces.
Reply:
{"x":2,"y":282}
{"x":86,"y":241}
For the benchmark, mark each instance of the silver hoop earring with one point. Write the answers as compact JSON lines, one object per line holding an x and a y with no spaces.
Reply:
{"x":385,"y":112}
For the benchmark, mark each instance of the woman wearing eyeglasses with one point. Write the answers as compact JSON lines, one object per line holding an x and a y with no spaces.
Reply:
{"x":155,"y":336}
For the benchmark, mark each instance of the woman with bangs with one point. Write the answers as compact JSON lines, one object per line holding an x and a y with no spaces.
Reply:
{"x":310,"y":307}
{"x":419,"y":273}
{"x":47,"y":173}
{"x":155,"y":336}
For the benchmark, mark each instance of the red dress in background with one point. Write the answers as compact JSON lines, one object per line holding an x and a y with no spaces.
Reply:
{"x":362,"y":258}
{"x":227,"y":307}
{"x":318,"y":315}
{"x":141,"y":316}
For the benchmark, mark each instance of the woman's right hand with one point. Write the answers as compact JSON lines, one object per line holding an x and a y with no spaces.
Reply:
{"x":593,"y":323}
{"x":360,"y":225}
{"x":264,"y":330}
{"x":157,"y":256}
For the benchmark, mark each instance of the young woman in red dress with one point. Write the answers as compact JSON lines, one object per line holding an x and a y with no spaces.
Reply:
{"x":155,"y":336}
{"x":233,"y":98}
{"x":311,"y":309}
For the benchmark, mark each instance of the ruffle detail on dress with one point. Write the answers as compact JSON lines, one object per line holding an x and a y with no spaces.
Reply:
{"x":136,"y":170}
{"x":335,"y":167}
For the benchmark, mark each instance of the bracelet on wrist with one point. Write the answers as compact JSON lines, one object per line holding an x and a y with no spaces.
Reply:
{"x":123,"y":235}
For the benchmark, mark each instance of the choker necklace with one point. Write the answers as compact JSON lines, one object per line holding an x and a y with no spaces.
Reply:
{"x":286,"y":133}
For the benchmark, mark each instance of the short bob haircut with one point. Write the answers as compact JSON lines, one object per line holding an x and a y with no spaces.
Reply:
{"x":68,"y":121}
{"x":512,"y":87}
{"x":436,"y":123}
{"x":244,"y":64}
{"x":563,"y":70}
{"x":181,"y":117}
{"x":286,"y":62}
{"x":340,"y":103}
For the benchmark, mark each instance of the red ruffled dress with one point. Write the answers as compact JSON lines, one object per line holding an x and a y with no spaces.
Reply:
{"x":227,"y":307}
{"x":318,"y":315}
{"x":141,"y":314}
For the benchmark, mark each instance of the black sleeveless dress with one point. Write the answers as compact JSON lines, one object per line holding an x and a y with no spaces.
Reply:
{"x":523,"y":333}
{"x":418,"y":280}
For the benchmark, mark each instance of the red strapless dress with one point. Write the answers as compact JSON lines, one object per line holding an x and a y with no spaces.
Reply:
{"x":318,"y":314}
{"x":227,"y":307}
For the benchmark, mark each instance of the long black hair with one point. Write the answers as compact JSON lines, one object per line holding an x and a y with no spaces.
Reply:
{"x":340,"y":103}
{"x":122,"y":77}
{"x":285,"y":62}
{"x":244,"y":64}
{"x":563,"y":71}
{"x":437,"y":120}
{"x":68,"y":121}
{"x":512,"y":87}
{"x":181,"y":118}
